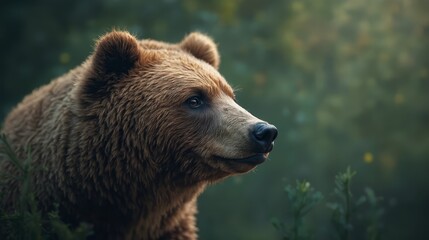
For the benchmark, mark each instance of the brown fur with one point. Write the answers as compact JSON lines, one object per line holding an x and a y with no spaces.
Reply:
{"x":120,"y":148}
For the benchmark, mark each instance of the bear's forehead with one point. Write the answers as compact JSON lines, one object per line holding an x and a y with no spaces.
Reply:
{"x":186,"y":72}
{"x":182,"y":70}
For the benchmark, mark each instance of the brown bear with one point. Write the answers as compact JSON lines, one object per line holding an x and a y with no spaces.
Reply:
{"x":130,"y":138}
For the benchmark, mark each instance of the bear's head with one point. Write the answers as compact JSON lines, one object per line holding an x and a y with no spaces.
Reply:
{"x":165,"y":108}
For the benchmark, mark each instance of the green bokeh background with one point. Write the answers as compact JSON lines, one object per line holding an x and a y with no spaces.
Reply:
{"x":345,"y":81}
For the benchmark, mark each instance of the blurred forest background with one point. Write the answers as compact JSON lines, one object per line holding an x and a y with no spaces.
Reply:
{"x":345,"y":81}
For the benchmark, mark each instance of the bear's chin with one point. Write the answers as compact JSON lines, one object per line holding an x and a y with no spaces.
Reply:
{"x":241,"y":165}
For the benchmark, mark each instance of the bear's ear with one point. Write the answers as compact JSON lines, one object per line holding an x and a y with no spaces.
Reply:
{"x":201,"y":47}
{"x":115,"y":54}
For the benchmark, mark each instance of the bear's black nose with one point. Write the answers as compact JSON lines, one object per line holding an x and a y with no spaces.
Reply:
{"x":263,"y":135}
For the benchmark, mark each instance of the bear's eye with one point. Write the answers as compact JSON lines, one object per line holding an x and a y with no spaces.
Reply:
{"x":194,"y":102}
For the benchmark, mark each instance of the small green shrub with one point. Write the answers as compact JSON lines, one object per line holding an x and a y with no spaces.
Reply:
{"x":26,"y":221}
{"x":373,"y":215}
{"x":343,"y":206}
{"x":303,"y":199}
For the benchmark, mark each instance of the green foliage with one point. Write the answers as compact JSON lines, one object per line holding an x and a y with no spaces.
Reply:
{"x":302,"y":200}
{"x":26,"y":222}
{"x":346,"y":206}
{"x":373,"y":215}
{"x":342,"y":209}
{"x":63,"y":231}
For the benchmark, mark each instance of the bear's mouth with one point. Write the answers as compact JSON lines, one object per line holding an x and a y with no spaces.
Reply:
{"x":252,"y":160}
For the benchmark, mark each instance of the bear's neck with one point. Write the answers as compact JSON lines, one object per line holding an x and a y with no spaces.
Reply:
{"x":132,"y":207}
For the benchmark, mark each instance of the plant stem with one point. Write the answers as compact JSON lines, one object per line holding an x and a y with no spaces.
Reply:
{"x":348,"y":208}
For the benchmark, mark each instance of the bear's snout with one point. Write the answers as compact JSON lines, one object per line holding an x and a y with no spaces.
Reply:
{"x":263,"y":135}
